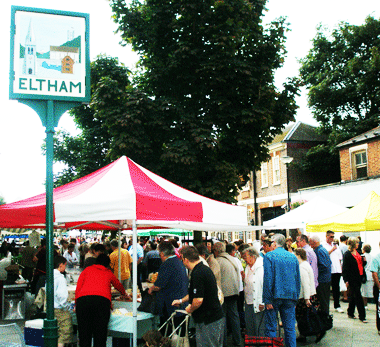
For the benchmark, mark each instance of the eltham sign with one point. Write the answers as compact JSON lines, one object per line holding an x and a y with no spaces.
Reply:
{"x":49,"y":55}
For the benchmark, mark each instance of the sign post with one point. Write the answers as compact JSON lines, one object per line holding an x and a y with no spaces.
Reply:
{"x":50,"y":72}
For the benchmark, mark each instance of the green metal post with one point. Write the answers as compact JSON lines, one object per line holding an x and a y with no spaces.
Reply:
{"x":50,"y":112}
{"x":50,"y":323}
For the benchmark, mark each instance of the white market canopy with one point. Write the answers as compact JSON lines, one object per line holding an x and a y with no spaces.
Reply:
{"x":313,"y":210}
{"x":122,"y":192}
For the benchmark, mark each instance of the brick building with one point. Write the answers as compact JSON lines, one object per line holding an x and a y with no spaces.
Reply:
{"x":360,"y":156}
{"x":269,"y":184}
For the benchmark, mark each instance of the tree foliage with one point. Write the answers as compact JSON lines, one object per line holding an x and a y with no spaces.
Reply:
{"x":202,"y":105}
{"x":342,"y":75}
{"x":213,"y":64}
{"x":2,"y":201}
{"x":89,"y":150}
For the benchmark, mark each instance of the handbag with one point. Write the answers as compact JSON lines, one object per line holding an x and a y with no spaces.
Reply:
{"x":364,"y":278}
{"x":148,"y":302}
{"x":327,"y":319}
{"x":263,"y":341}
{"x":310,"y":323}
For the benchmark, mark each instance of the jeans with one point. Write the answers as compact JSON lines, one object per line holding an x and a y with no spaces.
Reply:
{"x":232,"y":316}
{"x":287,"y":309}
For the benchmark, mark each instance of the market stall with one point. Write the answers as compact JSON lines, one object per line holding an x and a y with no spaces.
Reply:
{"x":124,"y":195}
{"x":364,"y":216}
{"x":315,"y":209}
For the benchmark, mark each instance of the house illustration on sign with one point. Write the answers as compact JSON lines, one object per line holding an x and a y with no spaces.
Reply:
{"x":65,"y":55}
{"x":67,"y":65}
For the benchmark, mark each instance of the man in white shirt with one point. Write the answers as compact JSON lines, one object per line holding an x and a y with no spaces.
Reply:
{"x":71,"y":257}
{"x":336,"y":267}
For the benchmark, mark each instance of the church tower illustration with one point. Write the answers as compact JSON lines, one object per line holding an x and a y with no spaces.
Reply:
{"x":30,"y":52}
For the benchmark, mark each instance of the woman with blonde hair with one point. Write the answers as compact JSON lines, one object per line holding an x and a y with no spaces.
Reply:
{"x":353,"y":272}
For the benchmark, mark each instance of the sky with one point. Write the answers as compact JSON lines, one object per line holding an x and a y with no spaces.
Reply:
{"x":22,"y":165}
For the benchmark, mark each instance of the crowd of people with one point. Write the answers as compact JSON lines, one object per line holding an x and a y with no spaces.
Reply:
{"x":228,"y":288}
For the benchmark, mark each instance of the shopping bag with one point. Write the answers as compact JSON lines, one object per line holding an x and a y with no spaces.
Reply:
{"x":327,"y":319}
{"x":148,"y":302}
{"x":310,"y":323}
{"x":263,"y":341}
{"x":176,"y":340}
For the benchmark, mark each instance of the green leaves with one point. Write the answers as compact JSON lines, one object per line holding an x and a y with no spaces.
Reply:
{"x":342,"y":74}
{"x":203,"y":105}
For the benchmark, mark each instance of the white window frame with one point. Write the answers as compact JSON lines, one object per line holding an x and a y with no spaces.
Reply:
{"x":276,"y":170}
{"x":353,"y":152}
{"x":264,"y":175}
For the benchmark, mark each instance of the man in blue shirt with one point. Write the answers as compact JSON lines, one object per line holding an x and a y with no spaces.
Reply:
{"x":324,"y":272}
{"x":281,"y":290}
{"x":171,"y":284}
{"x":324,"y":277}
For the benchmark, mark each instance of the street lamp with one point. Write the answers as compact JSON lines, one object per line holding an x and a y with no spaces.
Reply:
{"x":287,"y":160}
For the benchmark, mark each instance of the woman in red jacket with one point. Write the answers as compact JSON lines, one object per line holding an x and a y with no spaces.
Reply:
{"x":93,"y":302}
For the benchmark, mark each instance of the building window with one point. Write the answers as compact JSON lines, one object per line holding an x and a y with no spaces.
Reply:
{"x":360,"y":164}
{"x":264,"y":175}
{"x":276,"y":170}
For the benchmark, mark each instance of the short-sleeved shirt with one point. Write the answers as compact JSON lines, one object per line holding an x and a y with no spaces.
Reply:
{"x":336,"y":258}
{"x":375,"y":265}
{"x":324,"y":264}
{"x":173,"y":282}
{"x":203,"y":285}
{"x":125,"y":262}
{"x":140,"y":251}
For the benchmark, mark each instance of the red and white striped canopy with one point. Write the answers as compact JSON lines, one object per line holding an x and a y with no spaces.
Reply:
{"x":123,"y":190}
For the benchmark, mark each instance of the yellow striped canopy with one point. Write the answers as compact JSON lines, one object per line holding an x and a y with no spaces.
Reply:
{"x":364,"y":216}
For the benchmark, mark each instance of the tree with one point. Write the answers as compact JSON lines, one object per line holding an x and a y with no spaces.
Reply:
{"x":342,"y":75}
{"x":2,"y":201}
{"x":212,"y":64}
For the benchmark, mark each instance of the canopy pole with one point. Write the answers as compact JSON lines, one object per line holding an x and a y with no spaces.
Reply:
{"x":134,"y":286}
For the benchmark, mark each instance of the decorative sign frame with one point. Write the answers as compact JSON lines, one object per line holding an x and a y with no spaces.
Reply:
{"x":49,"y":55}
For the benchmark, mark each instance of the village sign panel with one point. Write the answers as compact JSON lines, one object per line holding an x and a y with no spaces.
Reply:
{"x":49,"y":55}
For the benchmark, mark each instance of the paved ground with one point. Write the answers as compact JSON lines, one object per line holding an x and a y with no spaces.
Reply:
{"x":349,"y":332}
{"x":346,"y":332}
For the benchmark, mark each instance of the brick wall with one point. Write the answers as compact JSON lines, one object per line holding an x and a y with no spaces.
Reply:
{"x":373,"y":161}
{"x":345,"y":165}
{"x":373,"y":153}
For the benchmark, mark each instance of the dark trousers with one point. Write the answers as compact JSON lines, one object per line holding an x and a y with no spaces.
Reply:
{"x":93,"y":315}
{"x":230,"y":309}
{"x":355,"y":300}
{"x":323,"y":294}
{"x":335,"y":278}
{"x":241,"y":309}
{"x":376,"y":296}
